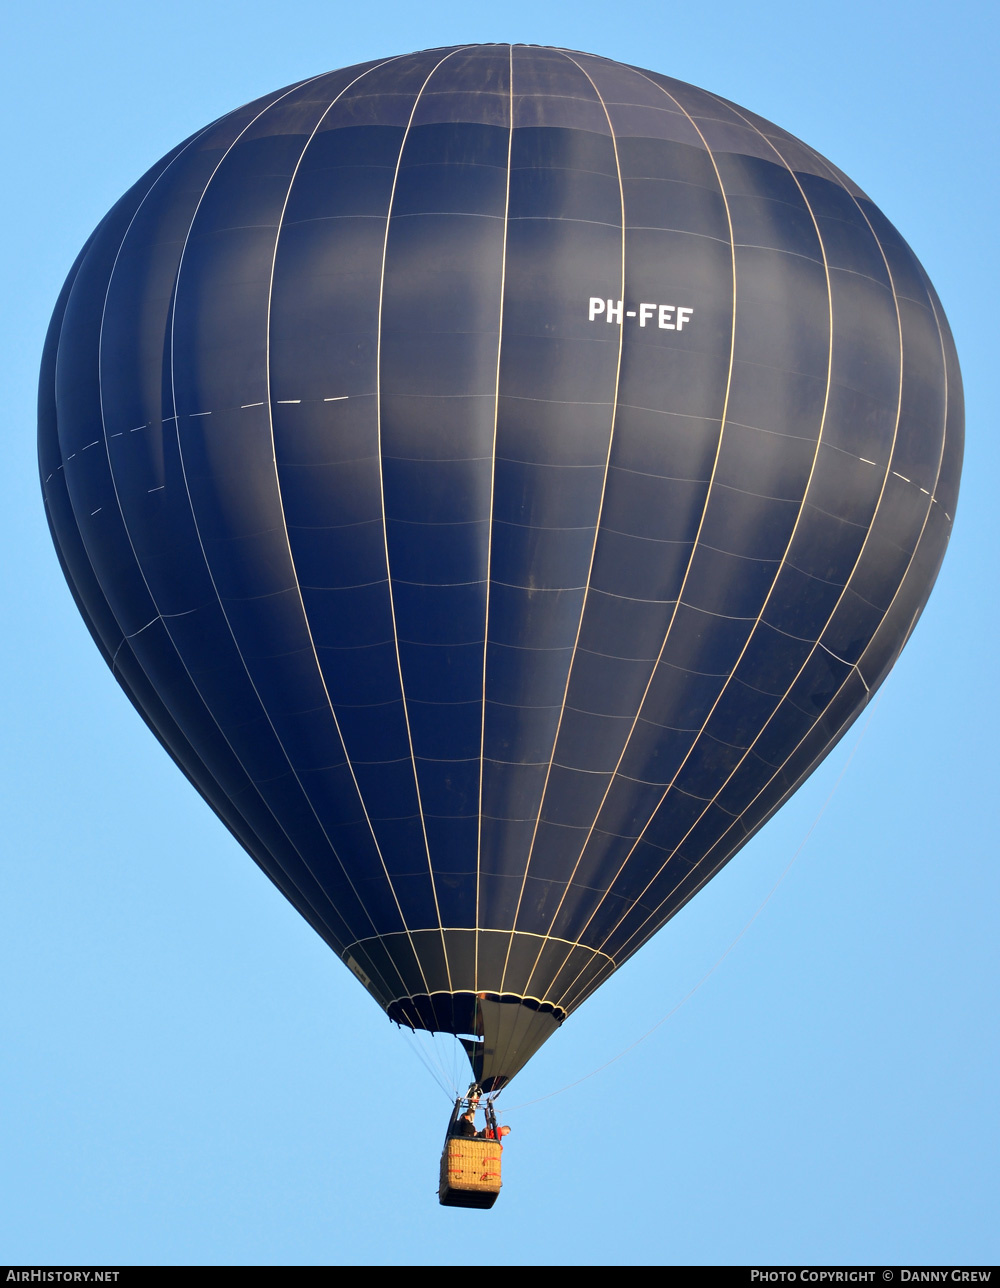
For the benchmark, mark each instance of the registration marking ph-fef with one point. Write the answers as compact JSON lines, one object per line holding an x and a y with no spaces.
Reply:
{"x":668,"y":317}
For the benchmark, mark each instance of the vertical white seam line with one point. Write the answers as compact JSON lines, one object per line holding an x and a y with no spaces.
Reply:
{"x":701,"y":521}
{"x":385,"y":527}
{"x":593,"y":549}
{"x":910,"y":561}
{"x":833,"y":610}
{"x":281,"y":503}
{"x":830,"y":617}
{"x":760,"y":615}
{"x":306,"y":899}
{"x":201,"y":544}
{"x":489,"y":525}
{"x":788,"y":546}
{"x":597,"y":531}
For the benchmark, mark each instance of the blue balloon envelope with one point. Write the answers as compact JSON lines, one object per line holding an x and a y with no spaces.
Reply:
{"x":498,"y":476}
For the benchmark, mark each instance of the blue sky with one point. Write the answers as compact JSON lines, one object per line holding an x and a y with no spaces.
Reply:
{"x":186,"y":1073}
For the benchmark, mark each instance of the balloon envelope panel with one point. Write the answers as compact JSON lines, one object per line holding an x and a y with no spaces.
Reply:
{"x":498,"y":476}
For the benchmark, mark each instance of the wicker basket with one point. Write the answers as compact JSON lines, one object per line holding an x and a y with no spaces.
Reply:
{"x":470,"y":1172}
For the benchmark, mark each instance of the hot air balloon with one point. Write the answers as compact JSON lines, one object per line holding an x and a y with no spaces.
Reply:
{"x":498,"y":476}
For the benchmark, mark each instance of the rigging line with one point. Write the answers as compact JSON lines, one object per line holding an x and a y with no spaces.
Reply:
{"x":715,"y":966}
{"x":437,"y":1074}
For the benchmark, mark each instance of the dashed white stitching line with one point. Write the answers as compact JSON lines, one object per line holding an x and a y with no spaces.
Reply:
{"x":97,"y":511}
{"x":902,"y":476}
{"x":866,"y":460}
{"x":318,"y":911}
{"x":339,"y":398}
{"x":788,"y":548}
{"x":286,"y":401}
{"x":156,"y":489}
{"x":856,"y":669}
{"x":200,"y":413}
{"x":287,"y":881}
{"x":291,"y":557}
{"x":244,"y":406}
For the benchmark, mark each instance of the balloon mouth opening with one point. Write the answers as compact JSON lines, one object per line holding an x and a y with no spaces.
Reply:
{"x":460,"y":1013}
{"x":499,"y":1031}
